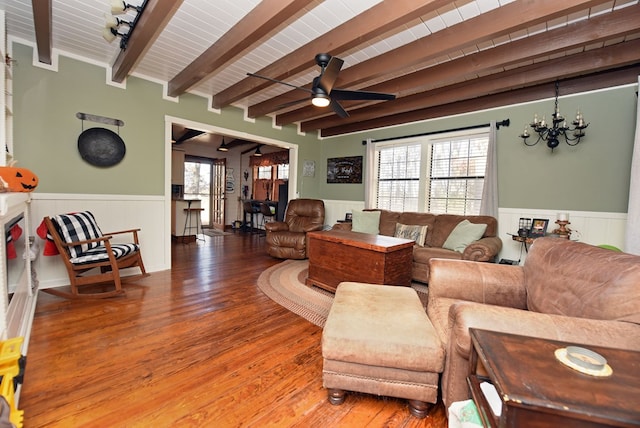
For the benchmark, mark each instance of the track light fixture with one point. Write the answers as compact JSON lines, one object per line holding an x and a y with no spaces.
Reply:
{"x":551,"y":132}
{"x":112,"y":24}
{"x":119,"y":6}
{"x":223,"y":147}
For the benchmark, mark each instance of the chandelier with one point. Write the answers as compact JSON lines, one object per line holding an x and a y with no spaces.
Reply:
{"x":551,"y":132}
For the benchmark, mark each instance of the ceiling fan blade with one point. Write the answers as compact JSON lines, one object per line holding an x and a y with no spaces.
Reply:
{"x":343,"y":95}
{"x":330,"y":74}
{"x":338,"y":109}
{"x":279,"y":81}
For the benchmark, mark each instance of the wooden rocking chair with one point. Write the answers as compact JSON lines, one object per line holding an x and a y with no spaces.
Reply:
{"x":84,"y":247}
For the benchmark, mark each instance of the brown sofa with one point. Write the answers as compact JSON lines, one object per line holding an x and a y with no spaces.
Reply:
{"x":288,"y":239}
{"x":566,"y":290}
{"x":439,"y":228}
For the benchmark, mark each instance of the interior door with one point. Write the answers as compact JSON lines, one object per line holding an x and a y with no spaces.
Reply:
{"x":218,"y":195}
{"x":197,"y":185}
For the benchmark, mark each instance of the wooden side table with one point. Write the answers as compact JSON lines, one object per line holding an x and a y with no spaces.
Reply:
{"x":537,"y":390}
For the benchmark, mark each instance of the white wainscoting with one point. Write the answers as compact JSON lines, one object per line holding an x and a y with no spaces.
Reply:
{"x":594,"y":228}
{"x":336,"y":210}
{"x":590,"y":227}
{"x":113,"y":213}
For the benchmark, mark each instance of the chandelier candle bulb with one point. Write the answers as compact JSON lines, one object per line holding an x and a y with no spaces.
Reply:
{"x":557,"y":128}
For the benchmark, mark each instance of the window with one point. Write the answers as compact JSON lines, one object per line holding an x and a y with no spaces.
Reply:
{"x":435,"y":173}
{"x":399,"y":178}
{"x":283,"y":171}
{"x":264,"y":173}
{"x":269,"y":171}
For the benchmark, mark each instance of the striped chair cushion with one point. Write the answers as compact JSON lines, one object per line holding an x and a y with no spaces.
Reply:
{"x":100,"y":253}
{"x":78,"y":227}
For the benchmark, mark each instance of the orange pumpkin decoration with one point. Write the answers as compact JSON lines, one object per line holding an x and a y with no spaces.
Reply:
{"x":17,"y":179}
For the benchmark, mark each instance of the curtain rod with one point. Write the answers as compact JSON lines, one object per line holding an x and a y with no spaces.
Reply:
{"x":505,"y":122}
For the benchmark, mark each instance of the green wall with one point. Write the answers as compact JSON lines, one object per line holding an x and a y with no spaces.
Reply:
{"x":46,"y":129}
{"x":592,"y":176}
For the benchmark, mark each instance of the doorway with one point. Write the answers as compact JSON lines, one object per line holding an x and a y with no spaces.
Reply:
{"x":204,"y":180}
{"x":233,"y":210}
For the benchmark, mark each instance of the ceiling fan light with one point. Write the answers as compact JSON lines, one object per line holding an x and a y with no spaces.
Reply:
{"x":258,"y":152}
{"x":320,"y":100}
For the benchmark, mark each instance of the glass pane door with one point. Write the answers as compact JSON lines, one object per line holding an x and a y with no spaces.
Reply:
{"x":218,"y":193}
{"x":197,"y":185}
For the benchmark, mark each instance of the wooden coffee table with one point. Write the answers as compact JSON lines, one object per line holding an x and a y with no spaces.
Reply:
{"x":537,"y":390}
{"x":339,"y":255}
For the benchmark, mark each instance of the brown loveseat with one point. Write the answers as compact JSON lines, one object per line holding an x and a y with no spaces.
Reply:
{"x":439,"y":226}
{"x":567,"y":291}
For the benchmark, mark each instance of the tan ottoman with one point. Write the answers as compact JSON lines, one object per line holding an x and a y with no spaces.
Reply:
{"x":379,"y":340}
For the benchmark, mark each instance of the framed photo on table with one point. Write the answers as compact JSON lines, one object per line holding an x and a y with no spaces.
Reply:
{"x":538,"y":227}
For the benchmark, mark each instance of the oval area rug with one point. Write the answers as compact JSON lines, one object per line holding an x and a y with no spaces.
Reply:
{"x":284,"y":283}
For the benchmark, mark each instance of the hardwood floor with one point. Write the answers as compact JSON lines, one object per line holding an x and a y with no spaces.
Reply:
{"x":199,"y":345}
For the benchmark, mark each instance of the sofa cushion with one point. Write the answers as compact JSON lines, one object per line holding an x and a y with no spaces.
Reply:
{"x":366,"y":222}
{"x":464,"y":234}
{"x":388,"y":220}
{"x":365,"y":327}
{"x":445,"y":223}
{"x":424,"y":254}
{"x":411,"y":231}
{"x":580,"y":280}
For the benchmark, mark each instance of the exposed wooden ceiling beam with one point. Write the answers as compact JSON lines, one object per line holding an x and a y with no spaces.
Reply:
{"x":586,"y":32}
{"x":605,"y":79}
{"x":501,"y":21}
{"x":382,"y":18}
{"x":547,"y":70}
{"x":614,"y":56}
{"x":42,"y":24}
{"x":155,"y":17}
{"x":261,"y":21}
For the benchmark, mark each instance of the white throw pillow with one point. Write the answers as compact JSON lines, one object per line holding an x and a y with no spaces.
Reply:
{"x":464,"y":234}
{"x":415,"y":232}
{"x":366,"y":222}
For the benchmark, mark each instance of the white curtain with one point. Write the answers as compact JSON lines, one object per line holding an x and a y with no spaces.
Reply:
{"x":370,"y":182}
{"x":489,"y":202}
{"x":632,"y":244}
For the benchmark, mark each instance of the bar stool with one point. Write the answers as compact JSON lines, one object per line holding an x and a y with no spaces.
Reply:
{"x":267,"y":214}
{"x":251,"y":209}
{"x":187,"y":222}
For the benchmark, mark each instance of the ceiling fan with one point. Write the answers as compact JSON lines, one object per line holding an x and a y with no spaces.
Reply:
{"x":322,"y":91}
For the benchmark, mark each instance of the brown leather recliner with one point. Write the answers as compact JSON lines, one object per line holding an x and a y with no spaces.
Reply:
{"x":288,"y":239}
{"x":567,"y":291}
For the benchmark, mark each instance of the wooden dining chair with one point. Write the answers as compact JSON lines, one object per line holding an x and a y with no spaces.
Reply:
{"x":84,"y":248}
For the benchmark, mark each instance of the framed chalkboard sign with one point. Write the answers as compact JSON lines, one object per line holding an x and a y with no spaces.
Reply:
{"x":344,"y":170}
